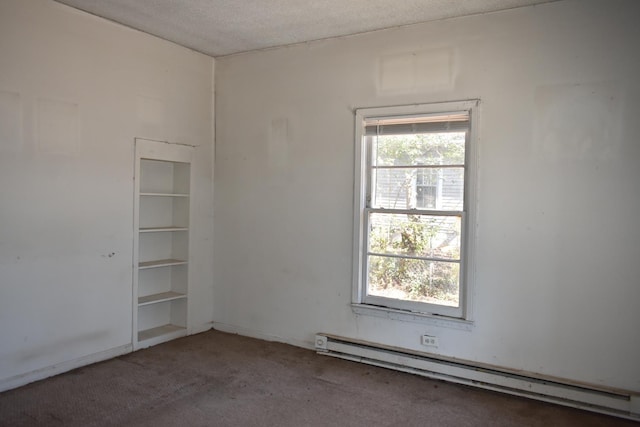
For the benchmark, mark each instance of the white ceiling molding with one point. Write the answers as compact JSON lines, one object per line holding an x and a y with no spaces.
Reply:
{"x":224,"y":27}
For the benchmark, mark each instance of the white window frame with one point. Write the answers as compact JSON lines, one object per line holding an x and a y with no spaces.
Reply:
{"x":368,"y":304}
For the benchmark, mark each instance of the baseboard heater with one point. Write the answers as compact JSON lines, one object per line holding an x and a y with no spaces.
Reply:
{"x":616,"y":402}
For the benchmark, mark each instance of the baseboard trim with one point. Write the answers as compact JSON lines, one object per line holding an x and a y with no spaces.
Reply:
{"x":252,"y":333}
{"x":68,"y":365}
{"x":201,"y":328}
{"x":59,"y":368}
{"x":616,"y":402}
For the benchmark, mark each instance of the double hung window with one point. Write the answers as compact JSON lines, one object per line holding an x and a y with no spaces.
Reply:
{"x":412,"y":192}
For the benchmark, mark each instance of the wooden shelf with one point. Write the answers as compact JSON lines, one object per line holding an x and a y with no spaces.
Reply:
{"x":159,"y":229}
{"x":161,"y":297}
{"x":160,"y":331}
{"x":160,"y":263}
{"x":164,"y":194}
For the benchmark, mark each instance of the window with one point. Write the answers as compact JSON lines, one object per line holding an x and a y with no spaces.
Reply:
{"x":426,"y":188}
{"x":413,"y":185}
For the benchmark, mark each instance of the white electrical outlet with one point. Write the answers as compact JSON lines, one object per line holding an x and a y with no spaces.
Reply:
{"x":429,"y":340}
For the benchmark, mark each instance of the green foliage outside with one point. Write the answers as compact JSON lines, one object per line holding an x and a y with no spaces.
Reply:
{"x":420,"y":149}
{"x":406,"y":278}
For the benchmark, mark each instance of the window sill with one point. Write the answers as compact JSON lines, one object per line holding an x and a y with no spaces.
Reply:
{"x":408,"y":316}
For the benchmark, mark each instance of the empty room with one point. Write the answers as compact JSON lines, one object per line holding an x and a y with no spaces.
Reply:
{"x":299,"y":213}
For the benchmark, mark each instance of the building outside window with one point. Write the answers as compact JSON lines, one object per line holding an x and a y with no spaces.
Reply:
{"x":427,"y":181}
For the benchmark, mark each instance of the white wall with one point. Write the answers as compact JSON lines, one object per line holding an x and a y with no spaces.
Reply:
{"x":558,"y":241}
{"x":74,"y":92}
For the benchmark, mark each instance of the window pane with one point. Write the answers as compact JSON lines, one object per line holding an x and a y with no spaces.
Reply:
{"x":417,"y":235}
{"x":446,"y":148}
{"x":427,"y":188}
{"x":414,"y":280}
{"x":419,"y":188}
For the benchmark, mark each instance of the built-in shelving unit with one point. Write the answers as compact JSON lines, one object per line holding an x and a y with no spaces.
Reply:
{"x":161,"y":243}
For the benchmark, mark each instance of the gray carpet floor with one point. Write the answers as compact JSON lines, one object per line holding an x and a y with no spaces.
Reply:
{"x":219,"y":379}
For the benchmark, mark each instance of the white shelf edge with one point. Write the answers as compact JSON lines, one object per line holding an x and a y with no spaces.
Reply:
{"x":160,"y":297}
{"x":160,"y":263}
{"x":161,"y":333}
{"x":161,"y":229}
{"x":164,"y":194}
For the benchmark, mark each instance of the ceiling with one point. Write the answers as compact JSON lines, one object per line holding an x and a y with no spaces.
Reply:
{"x":224,"y":27}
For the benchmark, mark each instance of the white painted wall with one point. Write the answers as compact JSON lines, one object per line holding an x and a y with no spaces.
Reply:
{"x":558,"y":242}
{"x":74,"y":92}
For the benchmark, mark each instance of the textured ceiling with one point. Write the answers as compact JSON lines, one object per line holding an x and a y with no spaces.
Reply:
{"x":223,"y":27}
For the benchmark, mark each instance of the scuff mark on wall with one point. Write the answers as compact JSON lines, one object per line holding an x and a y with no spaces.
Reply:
{"x":151,"y":116}
{"x":427,"y":70}
{"x":58,"y":126}
{"x":278,"y":163}
{"x":577,"y":122}
{"x":10,"y":121}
